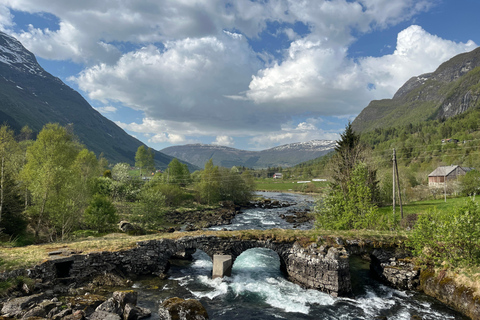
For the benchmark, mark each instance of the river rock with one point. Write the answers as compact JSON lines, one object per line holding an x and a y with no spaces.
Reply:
{"x":16,"y":307}
{"x":177,"y":308}
{"x":41,"y":310}
{"x":133,"y":312}
{"x":77,"y":315}
{"x":126,"y":226}
{"x":104,"y":315}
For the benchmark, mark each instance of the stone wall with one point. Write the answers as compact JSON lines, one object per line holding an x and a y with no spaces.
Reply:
{"x":324,"y":268}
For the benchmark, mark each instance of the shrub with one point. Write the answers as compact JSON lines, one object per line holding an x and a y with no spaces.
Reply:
{"x":100,"y":213}
{"x":452,"y":237}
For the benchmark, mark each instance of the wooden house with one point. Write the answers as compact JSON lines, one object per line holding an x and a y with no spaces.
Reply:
{"x":446,"y":173}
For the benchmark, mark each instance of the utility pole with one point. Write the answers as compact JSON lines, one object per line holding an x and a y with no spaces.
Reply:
{"x":395,"y":173}
{"x":393,"y":177}
{"x":445,"y":187}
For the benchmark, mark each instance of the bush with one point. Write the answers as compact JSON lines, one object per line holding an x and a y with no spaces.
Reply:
{"x":449,"y":237}
{"x":470,"y":183}
{"x":100,"y":214}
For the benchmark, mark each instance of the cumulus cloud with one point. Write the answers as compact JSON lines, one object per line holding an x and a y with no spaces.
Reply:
{"x":224,"y":141}
{"x":187,"y":78}
{"x":191,"y":68}
{"x":5,"y":18}
{"x":417,"y":52}
{"x":327,"y":81}
{"x":107,"y":109}
{"x":89,"y":31}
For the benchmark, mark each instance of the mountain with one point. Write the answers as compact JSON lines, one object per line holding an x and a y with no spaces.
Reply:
{"x":31,"y":96}
{"x":451,"y":90}
{"x":283,"y":156}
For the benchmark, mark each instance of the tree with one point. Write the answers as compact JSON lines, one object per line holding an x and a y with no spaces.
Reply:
{"x":348,"y":152}
{"x":120,"y":172}
{"x":470,"y":183}
{"x":100,"y":213}
{"x":51,"y":178}
{"x":351,"y":211}
{"x":11,"y":202}
{"x":9,"y":162}
{"x":209,"y":185}
{"x":177,"y":173}
{"x":354,"y":192}
{"x":144,"y":159}
{"x":234,"y":186}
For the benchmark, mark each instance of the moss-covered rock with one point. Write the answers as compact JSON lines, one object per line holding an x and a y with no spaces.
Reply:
{"x":180,"y":309}
{"x":449,"y":292}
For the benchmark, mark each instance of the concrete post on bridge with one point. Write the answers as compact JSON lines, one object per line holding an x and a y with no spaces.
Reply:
{"x":222,"y":265}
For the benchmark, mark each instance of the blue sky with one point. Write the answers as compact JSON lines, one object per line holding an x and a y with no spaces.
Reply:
{"x":246,"y":74}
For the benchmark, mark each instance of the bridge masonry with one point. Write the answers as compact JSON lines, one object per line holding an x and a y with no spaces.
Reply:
{"x":322,"y":268}
{"x":325,"y":268}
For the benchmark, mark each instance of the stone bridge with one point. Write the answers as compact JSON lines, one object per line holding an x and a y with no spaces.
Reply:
{"x":325,"y":268}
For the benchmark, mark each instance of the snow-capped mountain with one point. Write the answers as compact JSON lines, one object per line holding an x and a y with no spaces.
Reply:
{"x":31,"y":96}
{"x":312,"y":145}
{"x":13,"y":53}
{"x":282,"y":156}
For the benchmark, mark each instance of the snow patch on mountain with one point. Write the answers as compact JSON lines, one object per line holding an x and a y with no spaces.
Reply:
{"x":13,"y":53}
{"x":312,"y":145}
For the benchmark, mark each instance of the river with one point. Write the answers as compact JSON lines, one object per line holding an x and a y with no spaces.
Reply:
{"x":258,"y":290}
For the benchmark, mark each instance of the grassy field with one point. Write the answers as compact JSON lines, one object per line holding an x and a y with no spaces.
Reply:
{"x":289,"y":185}
{"x":425,"y":206}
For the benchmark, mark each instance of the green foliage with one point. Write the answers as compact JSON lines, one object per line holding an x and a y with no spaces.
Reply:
{"x":452,"y":237}
{"x":177,"y":173}
{"x":144,"y":159}
{"x":107,"y":174}
{"x":219,"y":184}
{"x":120,"y":172}
{"x":100,"y":214}
{"x":172,"y":194}
{"x":470,"y":183}
{"x":58,"y":174}
{"x":11,"y":200}
{"x":149,"y":209}
{"x":350,"y":210}
{"x":208,"y":187}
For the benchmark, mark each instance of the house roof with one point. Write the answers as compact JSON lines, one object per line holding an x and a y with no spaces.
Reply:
{"x":446,"y":170}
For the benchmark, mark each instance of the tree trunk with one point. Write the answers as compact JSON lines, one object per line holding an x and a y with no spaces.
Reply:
{"x":40,"y":216}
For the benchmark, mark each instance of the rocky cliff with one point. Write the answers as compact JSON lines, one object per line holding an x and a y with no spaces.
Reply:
{"x":452,"y":89}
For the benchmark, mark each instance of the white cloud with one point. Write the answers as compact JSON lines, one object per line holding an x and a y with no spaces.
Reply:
{"x":315,"y":79}
{"x":187,"y":79}
{"x":89,"y":30}
{"x":190,"y":65}
{"x":417,"y":52}
{"x":6,"y":18}
{"x":107,"y":109}
{"x":224,"y":141}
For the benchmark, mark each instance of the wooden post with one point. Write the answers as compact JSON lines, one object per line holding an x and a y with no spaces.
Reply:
{"x":393,"y":177}
{"x":398,"y":189}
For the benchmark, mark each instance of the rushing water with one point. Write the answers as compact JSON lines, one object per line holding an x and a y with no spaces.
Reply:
{"x":258,"y":290}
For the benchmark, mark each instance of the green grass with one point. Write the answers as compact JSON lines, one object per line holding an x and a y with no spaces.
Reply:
{"x":419,"y":207}
{"x":289,"y":185}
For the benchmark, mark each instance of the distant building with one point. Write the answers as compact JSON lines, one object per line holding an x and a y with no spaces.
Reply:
{"x":450,"y":141}
{"x":439,"y":175}
{"x":278,"y":176}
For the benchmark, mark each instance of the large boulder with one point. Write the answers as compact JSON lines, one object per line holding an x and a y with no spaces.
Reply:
{"x":16,"y":307}
{"x":180,"y":309}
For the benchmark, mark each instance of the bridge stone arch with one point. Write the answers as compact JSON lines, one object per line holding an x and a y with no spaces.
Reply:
{"x":215,"y":247}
